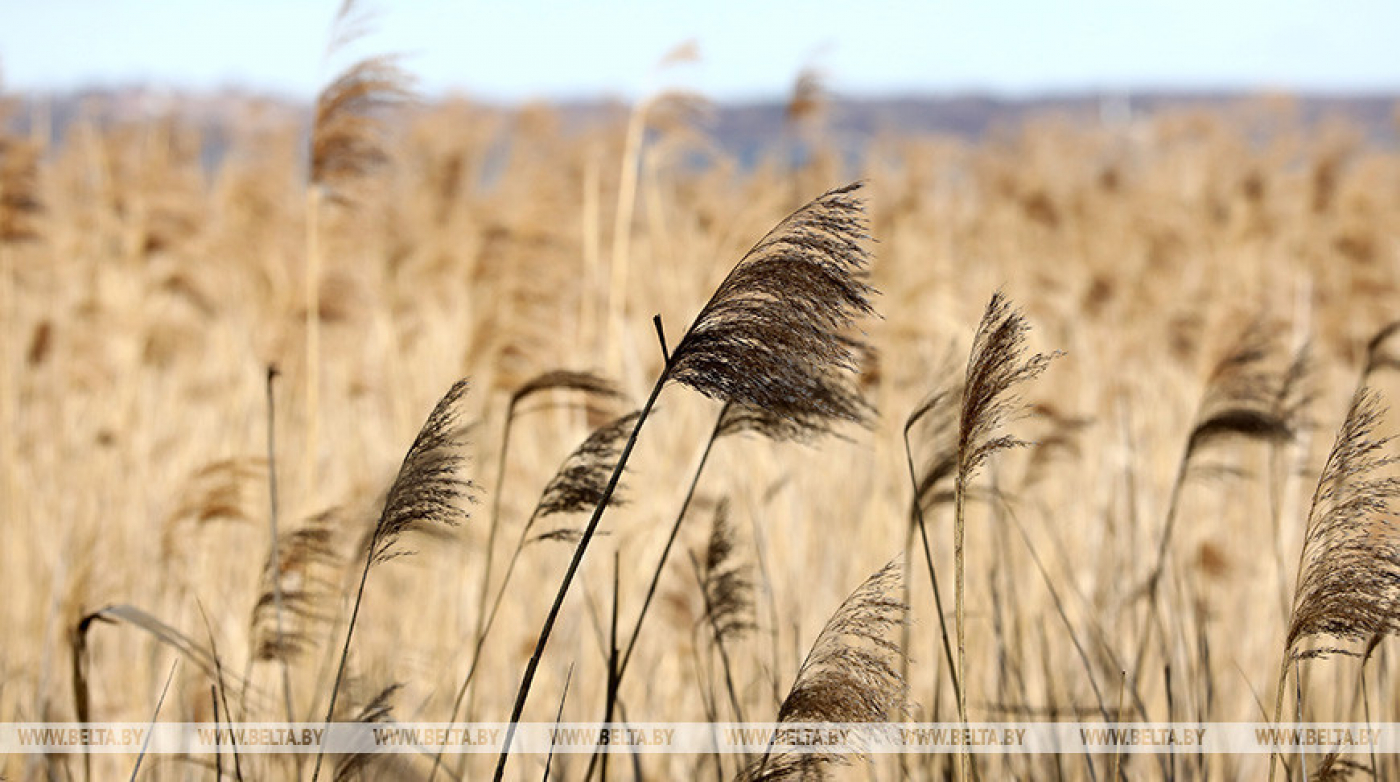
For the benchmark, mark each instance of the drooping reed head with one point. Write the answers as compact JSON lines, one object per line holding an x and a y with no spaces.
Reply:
{"x":347,"y":138}
{"x":1246,"y":396}
{"x":775,"y":335}
{"x":347,"y":133}
{"x":996,"y":365}
{"x":564,"y":379}
{"x":430,"y":492}
{"x":582,"y":479}
{"x":302,"y":577}
{"x":851,"y":674}
{"x":1349,"y":587}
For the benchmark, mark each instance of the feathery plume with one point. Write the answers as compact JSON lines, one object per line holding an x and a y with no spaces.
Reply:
{"x":996,"y":365}
{"x":306,"y":558}
{"x":727,"y":583}
{"x":429,"y":492}
{"x":583,"y":477}
{"x":1349,"y":582}
{"x":850,"y":675}
{"x":774,"y":334}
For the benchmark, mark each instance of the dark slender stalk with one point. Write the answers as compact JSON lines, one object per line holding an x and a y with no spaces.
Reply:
{"x":558,"y":718}
{"x":579,"y":551}
{"x":146,"y":744}
{"x":656,"y":574}
{"x":932,"y":571}
{"x":666,"y":550}
{"x":222,"y":690}
{"x":345,"y":649}
{"x":218,"y":756}
{"x":612,"y":664}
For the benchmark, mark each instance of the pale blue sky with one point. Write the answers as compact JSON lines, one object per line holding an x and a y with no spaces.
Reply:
{"x":524,"y":49}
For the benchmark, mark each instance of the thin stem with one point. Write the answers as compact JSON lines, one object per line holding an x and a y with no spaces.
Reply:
{"x":582,"y":548}
{"x":558,"y":718}
{"x":932,"y":571}
{"x":660,"y":567}
{"x":146,"y":744}
{"x":275,"y":554}
{"x":960,"y":495}
{"x":345,"y":649}
{"x":666,"y":550}
{"x":612,"y":661}
{"x":1278,"y":707}
{"x":483,"y":624}
{"x":1155,"y":576}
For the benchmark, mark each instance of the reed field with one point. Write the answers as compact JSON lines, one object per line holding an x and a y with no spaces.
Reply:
{"x":1131,"y":350}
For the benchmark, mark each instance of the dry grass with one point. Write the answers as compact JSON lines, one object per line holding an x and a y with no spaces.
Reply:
{"x":145,"y":296}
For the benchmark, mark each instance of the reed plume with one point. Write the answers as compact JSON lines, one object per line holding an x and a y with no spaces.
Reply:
{"x":302,"y":574}
{"x":1350,"y":565}
{"x":727,"y":590}
{"x":996,"y":365}
{"x":347,"y":139}
{"x":427,"y":495}
{"x":347,"y":144}
{"x":581,"y":481}
{"x":19,"y":187}
{"x":850,"y":675}
{"x":1244,"y":398}
{"x":1348,"y":582}
{"x":773,"y":336}
{"x":728,"y":587}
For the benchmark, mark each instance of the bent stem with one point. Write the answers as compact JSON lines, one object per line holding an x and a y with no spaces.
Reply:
{"x":960,"y":495}
{"x":1278,"y":708}
{"x":582,"y":547}
{"x":345,"y":649}
{"x":953,"y":673}
{"x":616,"y":682}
